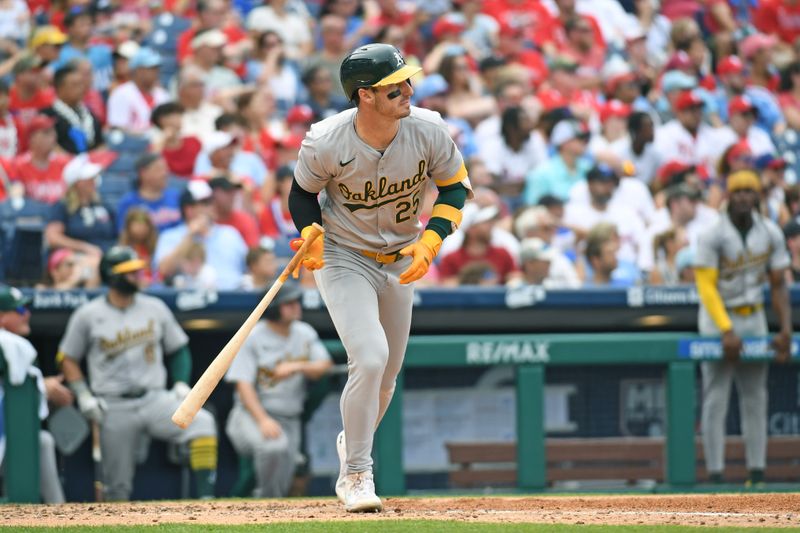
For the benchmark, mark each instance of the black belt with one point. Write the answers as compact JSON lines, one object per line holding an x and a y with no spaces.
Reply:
{"x":130,"y":395}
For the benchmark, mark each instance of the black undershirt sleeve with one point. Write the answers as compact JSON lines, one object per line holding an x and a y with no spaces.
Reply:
{"x":304,"y":206}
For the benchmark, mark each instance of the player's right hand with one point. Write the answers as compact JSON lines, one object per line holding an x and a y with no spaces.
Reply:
{"x":731,"y":346}
{"x":313,"y":259}
{"x":92,"y":407}
{"x":270,"y":429}
{"x":782,"y":344}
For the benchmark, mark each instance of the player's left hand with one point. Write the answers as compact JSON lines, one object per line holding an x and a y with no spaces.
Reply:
{"x":423,"y":251}
{"x":313,"y":258}
{"x":179,"y":390}
{"x":284,"y":369}
{"x":782,"y":344}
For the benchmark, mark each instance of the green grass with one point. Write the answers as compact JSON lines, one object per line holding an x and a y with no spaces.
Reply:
{"x":392,"y":526}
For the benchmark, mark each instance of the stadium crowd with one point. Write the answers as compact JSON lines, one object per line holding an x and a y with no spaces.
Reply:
{"x":598,"y":134}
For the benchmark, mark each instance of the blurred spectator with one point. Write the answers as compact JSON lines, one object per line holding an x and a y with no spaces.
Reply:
{"x":178,"y":150}
{"x":773,"y":184}
{"x":477,"y":225}
{"x":733,"y":82}
{"x":256,"y":107}
{"x":122,"y":56}
{"x":564,"y":90}
{"x":79,"y":24}
{"x":9,"y":132}
{"x":480,"y":30}
{"x":82,"y":221}
{"x":130,"y":104}
{"x":510,"y":155}
{"x":686,"y":138}
{"x":269,"y":67}
{"x":638,"y":147}
{"x":30,"y":92}
{"x":40,"y":168}
{"x":93,"y":99}
{"x":612,"y":137}
{"x":602,"y":250}
{"x":223,"y":203}
{"x":210,"y":14}
{"x":512,"y":48}
{"x":465,"y":95}
{"x":541,"y":264}
{"x":431,"y":93}
{"x":321,"y":96}
{"x":292,"y":26}
{"x":666,"y":246}
{"x":140,"y":233}
{"x":224,"y":247}
{"x":198,"y":113}
{"x":194,"y":273}
{"x":77,"y":129}
{"x":68,"y":270}
{"x":152,"y":194}
{"x":275,"y":220}
{"x":792,"y":233}
{"x":15,"y":23}
{"x":299,"y":119}
{"x":222,"y":156}
{"x":332,"y":51}
{"x":789,"y":96}
{"x":582,"y":217}
{"x":262,"y":266}
{"x":756,"y":50}
{"x":742,"y":126}
{"x":510,"y":93}
{"x":207,"y":54}
{"x":565,"y":168}
{"x":46,"y":42}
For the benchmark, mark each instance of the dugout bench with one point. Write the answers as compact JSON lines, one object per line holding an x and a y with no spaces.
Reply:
{"x":631,"y":459}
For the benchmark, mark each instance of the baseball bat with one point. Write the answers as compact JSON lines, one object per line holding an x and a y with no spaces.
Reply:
{"x":187,"y":410}
{"x":97,"y":458}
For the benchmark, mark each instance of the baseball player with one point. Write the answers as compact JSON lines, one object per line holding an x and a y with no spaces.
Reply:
{"x":126,"y":338}
{"x":371,"y":165}
{"x":735,"y":256}
{"x":270,"y":375}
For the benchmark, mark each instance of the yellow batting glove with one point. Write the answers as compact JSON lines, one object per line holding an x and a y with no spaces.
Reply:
{"x":313,"y":258}
{"x":423,"y":251}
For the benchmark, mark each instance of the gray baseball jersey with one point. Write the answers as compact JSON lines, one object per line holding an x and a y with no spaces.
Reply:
{"x":371,"y":200}
{"x":125,"y":347}
{"x":742,"y":266}
{"x":262,"y":351}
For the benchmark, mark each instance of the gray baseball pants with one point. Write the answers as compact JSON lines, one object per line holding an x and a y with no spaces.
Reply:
{"x":371,"y":311}
{"x":751,"y":384}
{"x":274,"y":460}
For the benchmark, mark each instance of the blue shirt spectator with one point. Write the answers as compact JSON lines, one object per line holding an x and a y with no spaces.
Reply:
{"x":559,"y":173}
{"x":152,"y":194}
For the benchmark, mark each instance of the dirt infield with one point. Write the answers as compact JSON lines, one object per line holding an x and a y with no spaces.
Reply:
{"x":774,"y":510}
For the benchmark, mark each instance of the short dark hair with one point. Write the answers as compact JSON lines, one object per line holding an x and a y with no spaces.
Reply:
{"x":163,"y":110}
{"x":229,"y":119}
{"x":62,"y":73}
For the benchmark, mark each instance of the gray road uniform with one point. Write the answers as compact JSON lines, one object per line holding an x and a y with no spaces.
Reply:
{"x":370,"y":202}
{"x":274,"y":459}
{"x":743,"y":266}
{"x":124,"y":351}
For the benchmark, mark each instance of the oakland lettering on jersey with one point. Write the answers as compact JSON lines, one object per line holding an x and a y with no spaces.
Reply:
{"x":127,"y":338}
{"x":370,"y":197}
{"x":743,"y":261}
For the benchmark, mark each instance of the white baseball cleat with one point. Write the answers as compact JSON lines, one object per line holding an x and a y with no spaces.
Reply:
{"x":359,"y":493}
{"x":341,"y":450}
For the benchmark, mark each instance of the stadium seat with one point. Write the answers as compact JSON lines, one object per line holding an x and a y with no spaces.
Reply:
{"x":111,"y":190}
{"x":788,"y":146}
{"x":124,"y":164}
{"x":26,"y":267}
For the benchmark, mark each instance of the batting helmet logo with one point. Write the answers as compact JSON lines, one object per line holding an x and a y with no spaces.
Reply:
{"x":374,"y":65}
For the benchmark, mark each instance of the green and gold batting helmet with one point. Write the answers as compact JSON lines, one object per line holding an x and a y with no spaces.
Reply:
{"x":118,"y":261}
{"x":373,"y":65}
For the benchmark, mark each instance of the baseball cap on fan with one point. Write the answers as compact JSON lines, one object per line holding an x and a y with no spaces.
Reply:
{"x":196,"y":191}
{"x":567,"y":130}
{"x":79,"y":169}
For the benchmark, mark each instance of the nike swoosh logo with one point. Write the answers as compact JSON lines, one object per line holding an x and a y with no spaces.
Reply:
{"x":344,"y":164}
